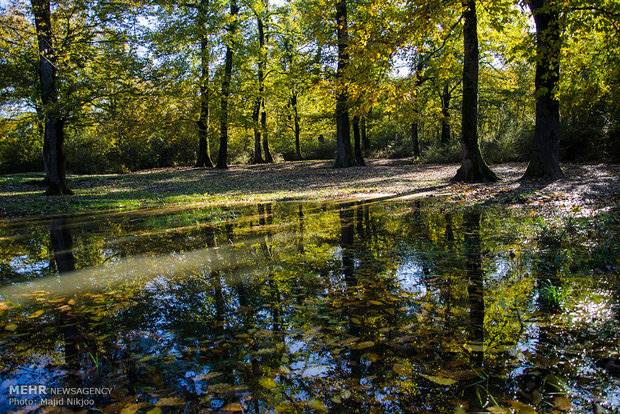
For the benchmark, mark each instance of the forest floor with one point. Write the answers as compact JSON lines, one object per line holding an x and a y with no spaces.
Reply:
{"x":184,"y":187}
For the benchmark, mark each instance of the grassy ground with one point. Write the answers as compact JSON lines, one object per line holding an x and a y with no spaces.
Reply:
{"x":22,"y":194}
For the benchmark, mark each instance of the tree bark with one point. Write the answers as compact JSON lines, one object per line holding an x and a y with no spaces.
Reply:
{"x":222,"y":159}
{"x":296,"y":128}
{"x":545,"y":158}
{"x":258,"y":152}
{"x":446,"y":97}
{"x":343,"y":130}
{"x":357,"y":139}
{"x":261,"y":81}
{"x":53,"y":142}
{"x":365,"y":143}
{"x":204,"y":151}
{"x":473,"y":167}
{"x":415,"y":139}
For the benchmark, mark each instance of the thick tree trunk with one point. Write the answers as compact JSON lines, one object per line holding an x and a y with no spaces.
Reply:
{"x":53,"y":141}
{"x":262,"y":55}
{"x":473,"y":167}
{"x":365,"y":143}
{"x":296,"y":128}
{"x":344,"y":154}
{"x":204,"y":151}
{"x":545,"y":159}
{"x":222,"y":159}
{"x":415,"y":139}
{"x":258,"y":152}
{"x":446,"y":97}
{"x":357,"y":139}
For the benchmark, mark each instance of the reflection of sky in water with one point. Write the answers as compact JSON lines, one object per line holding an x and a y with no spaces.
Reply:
{"x":410,"y":275}
{"x":21,"y":265}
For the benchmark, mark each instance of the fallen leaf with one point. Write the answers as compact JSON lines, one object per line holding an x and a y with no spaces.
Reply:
{"x":235,"y":407}
{"x":439,"y":380}
{"x":522,"y":408}
{"x":10,"y":327}
{"x":36,"y":314}
{"x":268,"y":383}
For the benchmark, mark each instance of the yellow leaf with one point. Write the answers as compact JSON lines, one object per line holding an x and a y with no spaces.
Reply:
{"x":36,"y":314}
{"x":498,"y":410}
{"x":71,"y":302}
{"x":400,"y":369}
{"x":155,"y":410}
{"x":131,"y":408}
{"x":168,"y":401}
{"x":439,"y":380}
{"x":268,"y":383}
{"x":521,"y":408}
{"x":562,"y":403}
{"x":235,"y":407}
{"x":364,"y":345}
{"x":10,"y":327}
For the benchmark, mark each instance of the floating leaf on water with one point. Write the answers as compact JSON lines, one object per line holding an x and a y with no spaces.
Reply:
{"x":317,"y":405}
{"x":364,"y":345}
{"x":498,"y":410}
{"x":10,"y":327}
{"x":36,"y":314}
{"x":169,"y":401}
{"x":155,"y":410}
{"x":521,"y":408}
{"x":373,"y":357}
{"x":562,"y":403}
{"x":268,"y":383}
{"x":439,"y":380}
{"x":400,"y":369}
{"x":208,"y":376}
{"x":131,"y":408}
{"x":234,"y":407}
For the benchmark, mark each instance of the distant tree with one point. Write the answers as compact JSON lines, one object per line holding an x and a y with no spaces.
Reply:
{"x":53,"y":143}
{"x":222,"y":160}
{"x":473,"y":167}
{"x":204,"y":151}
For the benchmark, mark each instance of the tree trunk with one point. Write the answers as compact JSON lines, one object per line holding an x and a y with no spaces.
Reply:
{"x":545,"y":158}
{"x":475,"y":285}
{"x":262,"y":54}
{"x":357,"y":139}
{"x":343,"y":131}
{"x":446,"y":97}
{"x":365,"y":143}
{"x":204,"y":151}
{"x":53,"y":142}
{"x":222,"y":159}
{"x":296,"y":128}
{"x":415,"y":139}
{"x":258,"y":152}
{"x":473,"y":167}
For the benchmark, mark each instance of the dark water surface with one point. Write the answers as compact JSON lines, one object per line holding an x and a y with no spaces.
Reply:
{"x":381,"y":307}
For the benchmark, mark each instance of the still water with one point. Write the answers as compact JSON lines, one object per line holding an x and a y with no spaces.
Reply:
{"x":384,"y":307}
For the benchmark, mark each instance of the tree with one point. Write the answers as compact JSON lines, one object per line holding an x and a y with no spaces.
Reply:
{"x":222,"y":160}
{"x":473,"y":167}
{"x":343,"y":135}
{"x":204,"y":151}
{"x":53,"y":143}
{"x":545,"y":158}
